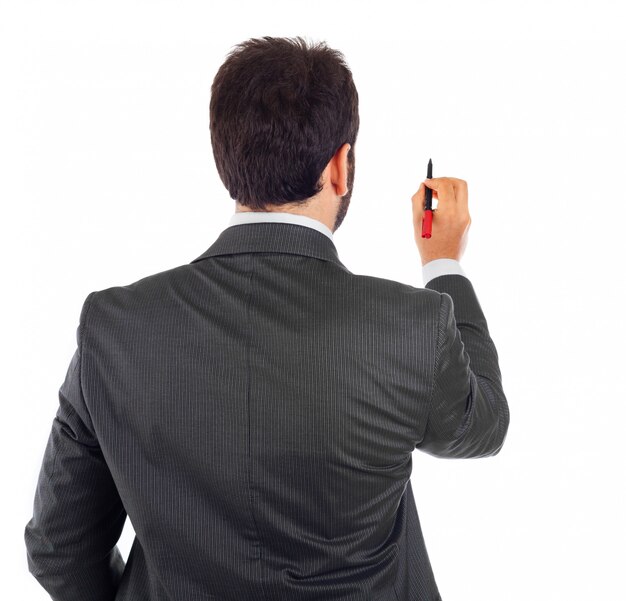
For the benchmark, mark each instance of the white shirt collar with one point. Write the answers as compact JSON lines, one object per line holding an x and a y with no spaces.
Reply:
{"x":279,"y":217}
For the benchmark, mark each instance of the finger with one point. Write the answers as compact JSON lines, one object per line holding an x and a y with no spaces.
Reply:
{"x":443,"y":190}
{"x":440,"y":184}
{"x":458,"y":185}
{"x":460,"y":192}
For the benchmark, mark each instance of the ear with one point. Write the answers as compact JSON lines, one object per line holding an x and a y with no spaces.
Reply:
{"x":339,"y":170}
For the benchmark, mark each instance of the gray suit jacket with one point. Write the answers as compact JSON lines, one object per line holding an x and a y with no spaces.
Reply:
{"x":254,"y":414}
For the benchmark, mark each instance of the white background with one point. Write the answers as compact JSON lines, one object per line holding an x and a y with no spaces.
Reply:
{"x":107,"y":175}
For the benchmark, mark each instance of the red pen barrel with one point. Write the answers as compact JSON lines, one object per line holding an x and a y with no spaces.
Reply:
{"x":427,"y":224}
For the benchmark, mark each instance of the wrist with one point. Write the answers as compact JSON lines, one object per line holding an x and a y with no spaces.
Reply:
{"x":426,"y":260}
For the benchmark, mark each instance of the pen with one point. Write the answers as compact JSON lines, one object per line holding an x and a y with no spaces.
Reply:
{"x":428,"y":206}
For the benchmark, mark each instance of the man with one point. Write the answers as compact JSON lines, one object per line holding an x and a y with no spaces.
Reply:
{"x":254,"y":412}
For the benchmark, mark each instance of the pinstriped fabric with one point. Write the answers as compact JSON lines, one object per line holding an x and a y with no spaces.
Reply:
{"x":254,"y":414}
{"x":462,"y":425}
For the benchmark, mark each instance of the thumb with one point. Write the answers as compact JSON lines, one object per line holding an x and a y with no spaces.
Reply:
{"x":418,"y":200}
{"x":418,"y":205}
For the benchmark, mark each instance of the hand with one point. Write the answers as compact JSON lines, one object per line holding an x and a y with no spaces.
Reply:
{"x":451,"y":219}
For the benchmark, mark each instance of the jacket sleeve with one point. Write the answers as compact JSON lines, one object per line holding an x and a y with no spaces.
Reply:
{"x":469,"y":413}
{"x":78,"y":516}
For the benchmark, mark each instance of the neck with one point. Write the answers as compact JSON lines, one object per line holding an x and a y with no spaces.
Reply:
{"x":314,"y":212}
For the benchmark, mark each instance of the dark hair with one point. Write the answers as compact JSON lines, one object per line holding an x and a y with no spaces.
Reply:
{"x":279,"y":112}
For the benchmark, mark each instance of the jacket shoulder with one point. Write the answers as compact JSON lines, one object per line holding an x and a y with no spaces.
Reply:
{"x":153,"y":288}
{"x":393,"y":288}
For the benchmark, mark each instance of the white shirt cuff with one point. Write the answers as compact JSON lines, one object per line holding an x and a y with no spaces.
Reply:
{"x":434,"y":269}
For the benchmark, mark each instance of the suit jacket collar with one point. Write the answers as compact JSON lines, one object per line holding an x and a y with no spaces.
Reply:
{"x":273,"y":237}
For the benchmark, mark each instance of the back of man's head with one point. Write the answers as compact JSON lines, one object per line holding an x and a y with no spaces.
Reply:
{"x":279,"y":111}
